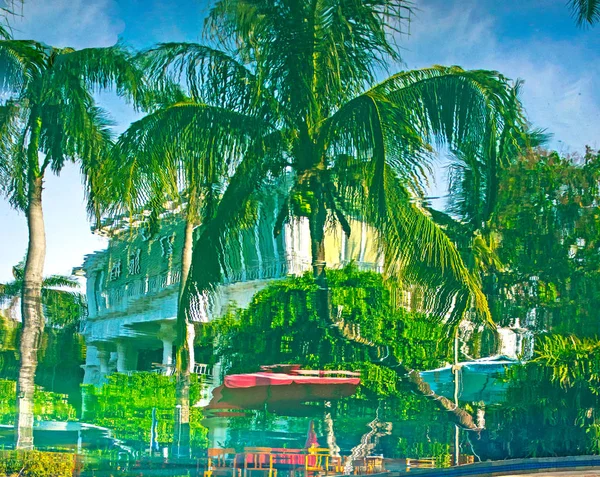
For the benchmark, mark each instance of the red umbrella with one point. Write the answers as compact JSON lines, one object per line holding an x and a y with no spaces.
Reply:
{"x":254,"y":390}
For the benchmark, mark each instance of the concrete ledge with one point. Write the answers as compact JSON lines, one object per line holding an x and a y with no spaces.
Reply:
{"x":511,"y":467}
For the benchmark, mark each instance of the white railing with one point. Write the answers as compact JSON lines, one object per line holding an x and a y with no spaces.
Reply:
{"x":169,"y":370}
{"x":331,"y":373}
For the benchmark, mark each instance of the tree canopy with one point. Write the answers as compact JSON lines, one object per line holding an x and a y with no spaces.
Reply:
{"x":288,"y":88}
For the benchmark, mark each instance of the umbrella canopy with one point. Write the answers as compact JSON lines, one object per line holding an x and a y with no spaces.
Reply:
{"x":479,"y":380}
{"x":255,"y":390}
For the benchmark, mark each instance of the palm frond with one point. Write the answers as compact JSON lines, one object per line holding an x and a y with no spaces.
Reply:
{"x":183,"y":146}
{"x":20,"y":60}
{"x":13,"y":184}
{"x":73,"y":126}
{"x":60,"y":281}
{"x":209,"y":75}
{"x":416,"y":249}
{"x":477,"y":115}
{"x":9,"y":291}
{"x":110,"y":68}
{"x":5,"y":33}
{"x":382,"y":142}
{"x":314,"y":55}
{"x":209,"y":257}
{"x":370,"y":125}
{"x":585,"y":11}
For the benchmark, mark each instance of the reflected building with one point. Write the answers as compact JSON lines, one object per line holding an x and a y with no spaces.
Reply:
{"x":132,"y":286}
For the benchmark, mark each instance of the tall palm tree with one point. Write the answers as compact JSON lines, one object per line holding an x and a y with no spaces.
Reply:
{"x":585,"y":11}
{"x":189,"y":175}
{"x":49,"y":117}
{"x":299,"y":78}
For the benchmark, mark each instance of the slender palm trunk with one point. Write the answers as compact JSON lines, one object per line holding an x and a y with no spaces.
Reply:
{"x":316,"y":222}
{"x":184,"y":354}
{"x":33,"y":319}
{"x":463,"y":418}
{"x":317,"y":243}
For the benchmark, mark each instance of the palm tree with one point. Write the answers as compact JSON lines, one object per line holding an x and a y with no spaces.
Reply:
{"x":585,"y":11}
{"x":189,"y":176}
{"x":294,"y":83}
{"x":62,"y":304}
{"x":49,"y":117}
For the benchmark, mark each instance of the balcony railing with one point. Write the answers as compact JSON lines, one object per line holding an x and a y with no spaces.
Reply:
{"x":201,"y":369}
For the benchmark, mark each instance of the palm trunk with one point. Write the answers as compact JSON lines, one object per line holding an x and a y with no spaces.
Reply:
{"x":184,"y":354}
{"x":463,"y":418}
{"x":316,"y":221}
{"x":33,"y":319}
{"x":317,"y":245}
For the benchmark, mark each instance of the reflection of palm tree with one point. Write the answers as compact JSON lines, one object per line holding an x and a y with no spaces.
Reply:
{"x":296,"y":97}
{"x":368,"y":441}
{"x":463,"y":417}
{"x":334,"y":449}
{"x":62,"y":304}
{"x":190,"y":178}
{"x":49,"y":109}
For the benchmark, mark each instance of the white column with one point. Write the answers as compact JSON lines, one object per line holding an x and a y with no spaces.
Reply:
{"x":121,"y":357}
{"x":217,"y":374}
{"x":167,"y":358}
{"x":92,"y":366}
{"x":126,"y":357}
{"x":191,"y":334}
{"x":90,"y":292}
{"x":103,"y":358}
{"x":166,"y":334}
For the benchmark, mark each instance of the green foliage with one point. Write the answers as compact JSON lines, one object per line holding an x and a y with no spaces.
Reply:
{"x":47,"y":406}
{"x":367,"y":333}
{"x":37,"y":464}
{"x":124,"y":404}
{"x":553,"y":404}
{"x":60,"y":356}
{"x":586,"y":12}
{"x":541,"y":418}
{"x":549,"y":232}
{"x":287,"y":89}
{"x":572,"y":360}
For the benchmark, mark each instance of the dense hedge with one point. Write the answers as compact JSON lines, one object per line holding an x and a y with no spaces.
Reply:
{"x":37,"y":464}
{"x":365,"y":331}
{"x":124,"y":404}
{"x":47,"y":406}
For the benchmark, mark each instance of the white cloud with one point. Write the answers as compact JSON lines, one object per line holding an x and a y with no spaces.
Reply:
{"x":75,"y":23}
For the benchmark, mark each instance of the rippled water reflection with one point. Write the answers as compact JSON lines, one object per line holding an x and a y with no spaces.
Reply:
{"x":482,"y":409}
{"x":526,"y":414}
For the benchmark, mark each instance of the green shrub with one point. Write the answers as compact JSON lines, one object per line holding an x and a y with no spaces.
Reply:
{"x":47,"y":406}
{"x":124,"y":404}
{"x":37,"y":464}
